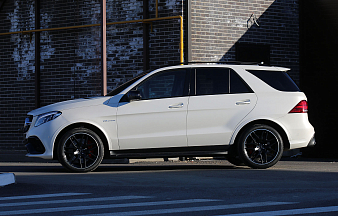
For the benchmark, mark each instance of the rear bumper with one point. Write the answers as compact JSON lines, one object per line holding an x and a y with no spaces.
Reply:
{"x":298,"y":130}
{"x":312,"y":142}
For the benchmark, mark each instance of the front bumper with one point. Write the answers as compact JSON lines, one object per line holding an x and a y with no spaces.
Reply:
{"x":39,"y":140}
{"x":34,"y":145}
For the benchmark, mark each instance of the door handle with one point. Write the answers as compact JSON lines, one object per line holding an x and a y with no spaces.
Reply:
{"x":243,"y":102}
{"x":179,"y":105}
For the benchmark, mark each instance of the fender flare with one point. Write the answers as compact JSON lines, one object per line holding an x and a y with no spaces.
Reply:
{"x":90,"y":125}
{"x":268,"y":121}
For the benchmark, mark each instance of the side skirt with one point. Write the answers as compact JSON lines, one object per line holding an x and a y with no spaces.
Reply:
{"x":197,"y":151}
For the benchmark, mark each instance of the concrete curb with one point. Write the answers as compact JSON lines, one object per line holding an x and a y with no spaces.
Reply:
{"x":6,"y":179}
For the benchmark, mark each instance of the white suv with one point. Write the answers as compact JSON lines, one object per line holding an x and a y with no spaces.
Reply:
{"x":248,"y":113}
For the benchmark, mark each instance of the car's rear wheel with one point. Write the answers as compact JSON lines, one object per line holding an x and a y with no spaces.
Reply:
{"x":260,"y":146}
{"x":80,"y":150}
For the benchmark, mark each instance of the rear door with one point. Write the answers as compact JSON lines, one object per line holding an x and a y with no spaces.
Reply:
{"x":221,"y":100}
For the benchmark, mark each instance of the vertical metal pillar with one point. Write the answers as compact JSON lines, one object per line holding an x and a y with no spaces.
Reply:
{"x":188,"y":52}
{"x":37,"y":55}
{"x":103,"y":48}
{"x":145,"y":36}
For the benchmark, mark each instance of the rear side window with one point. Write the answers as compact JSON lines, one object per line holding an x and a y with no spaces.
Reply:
{"x":279,"y":80}
{"x":210,"y":81}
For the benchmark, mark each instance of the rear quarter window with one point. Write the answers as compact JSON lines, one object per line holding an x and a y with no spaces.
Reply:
{"x":279,"y":80}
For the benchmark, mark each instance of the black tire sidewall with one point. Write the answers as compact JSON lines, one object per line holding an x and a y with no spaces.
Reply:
{"x":241,"y":149}
{"x":62,"y":156}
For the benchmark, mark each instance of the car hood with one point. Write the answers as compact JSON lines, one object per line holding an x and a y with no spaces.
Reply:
{"x":71,"y":104}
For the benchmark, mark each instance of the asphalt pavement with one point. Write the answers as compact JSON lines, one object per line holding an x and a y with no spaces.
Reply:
{"x":19,"y":156}
{"x":296,"y":186}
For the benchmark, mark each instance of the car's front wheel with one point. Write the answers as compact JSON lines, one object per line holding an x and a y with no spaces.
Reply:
{"x":80,"y":150}
{"x":260,"y":146}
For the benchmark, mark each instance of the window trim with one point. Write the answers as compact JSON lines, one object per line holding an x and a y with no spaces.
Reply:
{"x":185,"y":88}
{"x":194,"y":81}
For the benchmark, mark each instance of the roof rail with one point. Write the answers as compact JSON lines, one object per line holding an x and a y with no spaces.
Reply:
{"x":224,"y":62}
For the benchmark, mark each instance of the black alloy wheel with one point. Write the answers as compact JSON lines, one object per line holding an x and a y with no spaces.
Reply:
{"x":260,"y":146}
{"x":80,"y":150}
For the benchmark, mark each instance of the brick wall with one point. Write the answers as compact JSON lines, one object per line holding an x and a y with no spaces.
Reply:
{"x":71,"y":59}
{"x":217,"y":25}
{"x":16,"y":71}
{"x":165,"y":38}
{"x":125,"y":41}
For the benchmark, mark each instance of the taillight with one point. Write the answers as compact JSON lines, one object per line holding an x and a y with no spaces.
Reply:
{"x":301,"y":107}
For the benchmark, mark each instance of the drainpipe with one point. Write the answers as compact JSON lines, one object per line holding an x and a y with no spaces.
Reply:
{"x":187,"y":48}
{"x":2,"y":4}
{"x":145,"y":36}
{"x":103,"y":48}
{"x":37,"y":55}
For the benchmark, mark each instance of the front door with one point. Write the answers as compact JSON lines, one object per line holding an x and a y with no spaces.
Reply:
{"x":158,"y":120}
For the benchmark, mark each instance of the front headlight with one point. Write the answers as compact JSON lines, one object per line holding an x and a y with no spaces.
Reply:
{"x":46,"y":117}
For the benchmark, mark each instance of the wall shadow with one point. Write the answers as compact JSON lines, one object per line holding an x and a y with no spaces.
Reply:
{"x":275,"y":41}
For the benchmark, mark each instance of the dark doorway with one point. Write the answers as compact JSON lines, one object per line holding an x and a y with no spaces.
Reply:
{"x":249,"y":52}
{"x":319,"y":70}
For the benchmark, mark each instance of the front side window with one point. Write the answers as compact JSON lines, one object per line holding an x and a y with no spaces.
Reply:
{"x":163,"y":85}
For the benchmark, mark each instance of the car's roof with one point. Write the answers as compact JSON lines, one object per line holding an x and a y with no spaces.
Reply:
{"x":233,"y":66}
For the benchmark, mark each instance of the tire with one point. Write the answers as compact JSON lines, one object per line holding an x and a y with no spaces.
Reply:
{"x":233,"y":156}
{"x":260,"y":146}
{"x":80,"y":150}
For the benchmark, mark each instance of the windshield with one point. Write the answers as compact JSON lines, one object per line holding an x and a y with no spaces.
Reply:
{"x":126,"y":84}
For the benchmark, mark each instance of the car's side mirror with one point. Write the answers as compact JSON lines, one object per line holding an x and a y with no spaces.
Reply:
{"x":134,"y":95}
